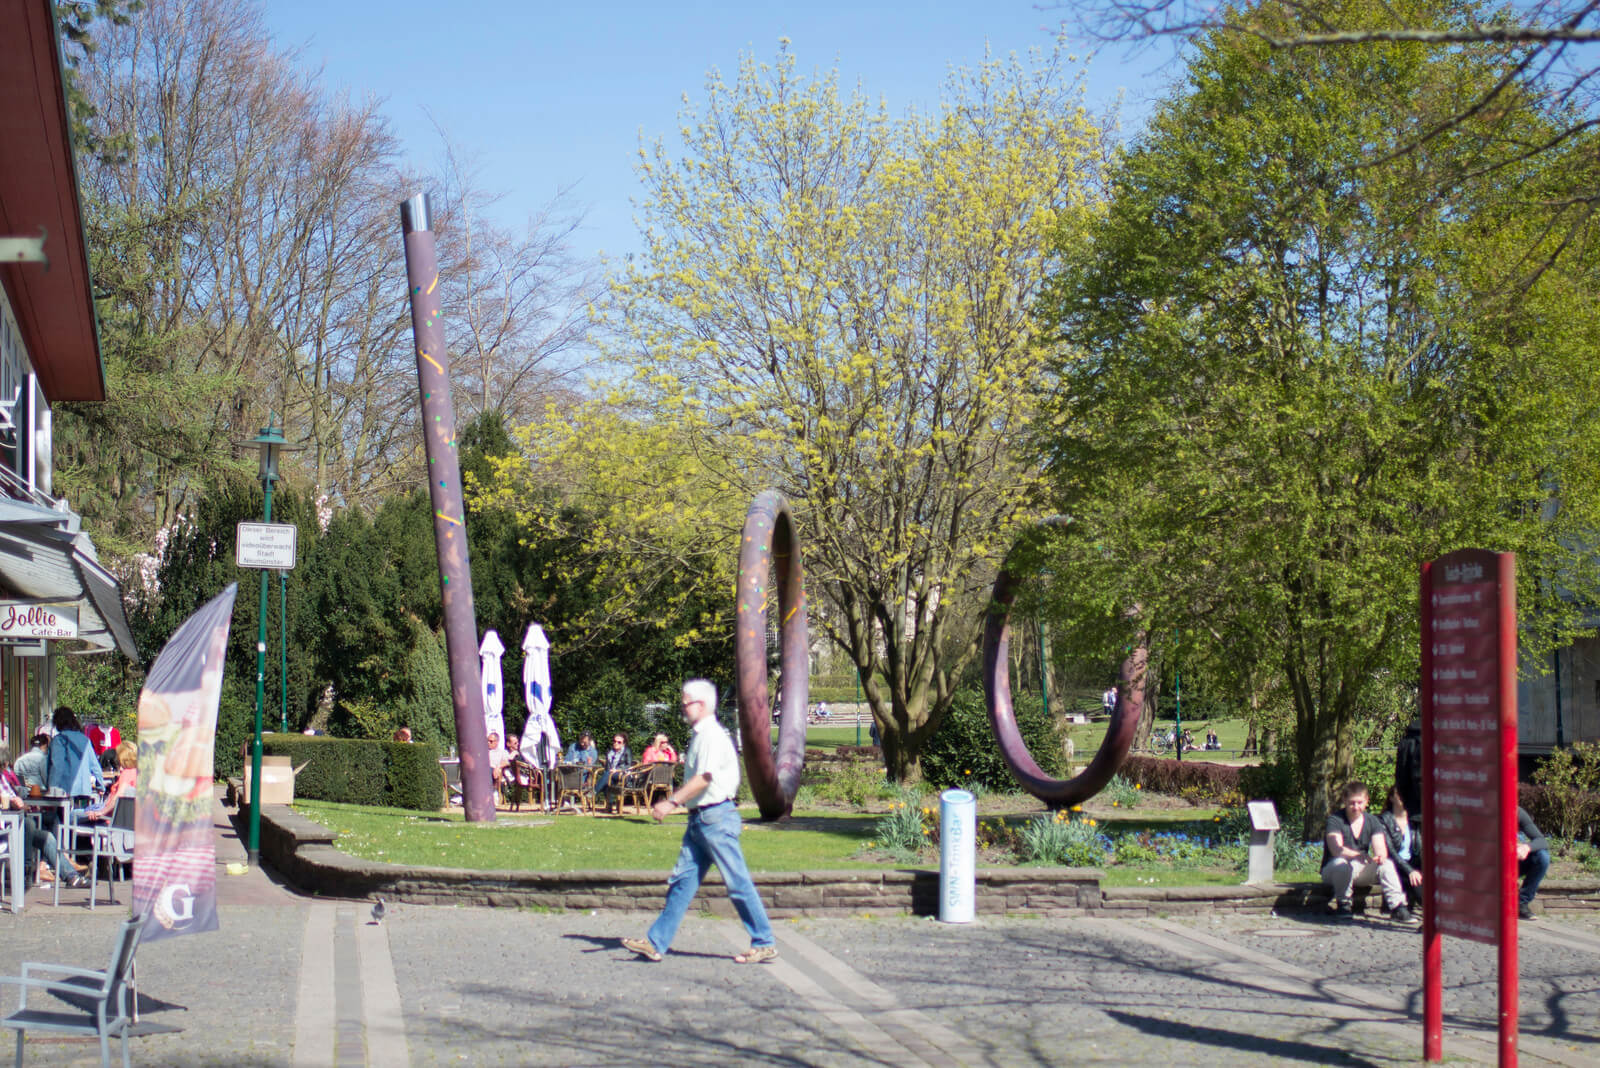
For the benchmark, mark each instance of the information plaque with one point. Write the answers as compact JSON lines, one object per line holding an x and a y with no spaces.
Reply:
{"x":1468,"y":699}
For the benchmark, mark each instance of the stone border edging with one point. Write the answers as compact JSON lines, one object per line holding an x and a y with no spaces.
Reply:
{"x":303,"y":852}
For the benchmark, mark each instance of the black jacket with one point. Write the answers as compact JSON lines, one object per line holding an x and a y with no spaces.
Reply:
{"x":1391,"y":834}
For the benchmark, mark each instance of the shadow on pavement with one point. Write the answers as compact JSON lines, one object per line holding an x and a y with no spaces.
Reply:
{"x":600,"y":945}
{"x":1214,"y":1036}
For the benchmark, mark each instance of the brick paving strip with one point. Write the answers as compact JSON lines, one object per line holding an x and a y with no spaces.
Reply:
{"x":347,"y":1009}
{"x":1229,"y":961}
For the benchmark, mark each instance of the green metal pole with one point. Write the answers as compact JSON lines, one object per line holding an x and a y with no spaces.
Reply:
{"x":1044,"y":672}
{"x":254,"y":848}
{"x":283,"y":647}
{"x":858,"y":708}
{"x":1177,"y":708}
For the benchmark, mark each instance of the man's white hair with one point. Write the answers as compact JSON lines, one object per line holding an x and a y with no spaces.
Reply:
{"x":701,"y":690}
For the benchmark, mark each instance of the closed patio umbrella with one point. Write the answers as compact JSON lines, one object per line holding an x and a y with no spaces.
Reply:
{"x":489,"y":653}
{"x":536,"y":690}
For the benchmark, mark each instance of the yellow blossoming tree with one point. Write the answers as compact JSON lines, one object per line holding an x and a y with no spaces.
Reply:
{"x":838,"y":304}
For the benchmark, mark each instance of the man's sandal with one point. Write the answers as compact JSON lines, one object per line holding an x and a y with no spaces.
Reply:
{"x":757,"y":954}
{"x":642,"y":947}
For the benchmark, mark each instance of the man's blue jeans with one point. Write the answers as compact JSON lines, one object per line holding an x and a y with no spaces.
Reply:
{"x":712,"y":837}
{"x":1532,"y":869}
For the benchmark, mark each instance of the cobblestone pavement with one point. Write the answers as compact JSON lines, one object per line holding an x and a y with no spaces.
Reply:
{"x":295,"y":982}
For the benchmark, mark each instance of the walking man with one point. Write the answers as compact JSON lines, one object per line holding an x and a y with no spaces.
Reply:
{"x":710,"y":780}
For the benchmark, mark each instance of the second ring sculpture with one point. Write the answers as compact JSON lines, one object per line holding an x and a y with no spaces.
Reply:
{"x":1057,"y":793}
{"x":769,"y":545}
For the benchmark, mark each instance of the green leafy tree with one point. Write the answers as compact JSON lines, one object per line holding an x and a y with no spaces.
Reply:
{"x":838,"y":305}
{"x":1294,"y":379}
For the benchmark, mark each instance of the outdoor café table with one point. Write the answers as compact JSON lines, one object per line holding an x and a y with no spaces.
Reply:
{"x":16,"y":844}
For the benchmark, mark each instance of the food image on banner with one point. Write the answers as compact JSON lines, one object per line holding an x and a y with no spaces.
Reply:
{"x":175,"y":857}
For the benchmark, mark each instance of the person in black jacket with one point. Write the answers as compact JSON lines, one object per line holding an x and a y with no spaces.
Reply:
{"x":1408,"y":770}
{"x":1533,"y":860}
{"x":1405,"y":844}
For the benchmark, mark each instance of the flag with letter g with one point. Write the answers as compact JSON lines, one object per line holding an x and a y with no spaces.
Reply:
{"x":174,"y":853}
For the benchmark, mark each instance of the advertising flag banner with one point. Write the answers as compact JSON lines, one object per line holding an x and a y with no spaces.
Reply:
{"x":174,"y":852}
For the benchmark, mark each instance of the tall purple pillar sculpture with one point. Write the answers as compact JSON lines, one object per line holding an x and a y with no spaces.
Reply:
{"x":449,"y":517}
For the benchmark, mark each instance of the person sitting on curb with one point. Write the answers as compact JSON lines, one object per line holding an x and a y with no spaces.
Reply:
{"x":1354,"y":853}
{"x":1533,"y":860}
{"x":1403,"y":844}
{"x":582,"y":751}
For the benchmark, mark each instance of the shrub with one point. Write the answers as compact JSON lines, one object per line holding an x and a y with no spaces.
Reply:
{"x":607,"y":704}
{"x":1064,"y":838}
{"x":962,"y":750}
{"x":903,"y":829}
{"x":360,"y":771}
{"x":1569,"y":779}
{"x":1277,"y":781}
{"x":1196,"y":780}
{"x":1121,"y":792}
{"x":850,"y":781}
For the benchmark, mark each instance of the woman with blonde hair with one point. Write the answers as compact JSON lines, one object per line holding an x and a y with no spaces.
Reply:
{"x":127,"y":782}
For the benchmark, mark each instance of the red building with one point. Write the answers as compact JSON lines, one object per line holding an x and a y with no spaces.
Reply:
{"x":55,"y":598}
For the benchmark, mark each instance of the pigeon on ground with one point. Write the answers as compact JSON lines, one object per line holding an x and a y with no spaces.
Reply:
{"x":378,"y":911}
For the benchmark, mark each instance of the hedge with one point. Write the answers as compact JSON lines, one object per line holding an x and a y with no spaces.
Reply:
{"x":359,"y":771}
{"x":1197,"y":780}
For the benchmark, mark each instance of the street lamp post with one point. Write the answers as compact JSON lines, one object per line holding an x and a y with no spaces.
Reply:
{"x":270,"y":442}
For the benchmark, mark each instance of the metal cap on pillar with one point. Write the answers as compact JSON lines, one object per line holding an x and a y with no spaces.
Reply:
{"x":414,"y":214}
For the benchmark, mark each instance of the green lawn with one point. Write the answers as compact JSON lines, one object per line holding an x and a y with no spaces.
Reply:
{"x":827,"y":737}
{"x":576,"y":843}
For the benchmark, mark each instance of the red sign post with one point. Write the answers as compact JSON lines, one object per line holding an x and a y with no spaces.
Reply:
{"x":1469,"y":774}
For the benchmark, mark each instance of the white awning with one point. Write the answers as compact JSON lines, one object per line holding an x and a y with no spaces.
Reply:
{"x":45,"y":556}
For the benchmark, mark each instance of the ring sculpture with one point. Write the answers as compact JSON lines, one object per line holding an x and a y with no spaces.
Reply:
{"x":1057,"y":793}
{"x":769,"y":542}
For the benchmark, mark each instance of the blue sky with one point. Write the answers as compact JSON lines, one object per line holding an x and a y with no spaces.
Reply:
{"x":542,"y":96}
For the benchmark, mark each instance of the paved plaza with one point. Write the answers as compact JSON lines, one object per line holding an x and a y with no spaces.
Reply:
{"x":293,"y":981}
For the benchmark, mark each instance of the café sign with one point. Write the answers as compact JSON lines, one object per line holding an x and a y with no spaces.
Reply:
{"x":24,"y":621}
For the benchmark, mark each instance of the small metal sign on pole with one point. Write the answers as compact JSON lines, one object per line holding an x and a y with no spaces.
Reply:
{"x":1469,"y":775}
{"x":266,"y":545}
{"x":1263,"y":828}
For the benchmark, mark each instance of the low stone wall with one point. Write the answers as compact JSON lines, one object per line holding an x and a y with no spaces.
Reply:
{"x":303,"y":852}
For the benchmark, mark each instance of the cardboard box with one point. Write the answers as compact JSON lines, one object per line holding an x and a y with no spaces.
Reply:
{"x":277,"y":780}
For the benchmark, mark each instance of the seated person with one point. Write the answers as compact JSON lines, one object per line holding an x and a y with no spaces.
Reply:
{"x":31,"y":766}
{"x":1403,"y":843}
{"x":127,"y":783}
{"x":1355,"y":853}
{"x":608,"y":781}
{"x":1533,"y":860}
{"x":660,"y":751}
{"x":1212,"y":741}
{"x":498,"y":759}
{"x":582,"y":751}
{"x":42,"y":858}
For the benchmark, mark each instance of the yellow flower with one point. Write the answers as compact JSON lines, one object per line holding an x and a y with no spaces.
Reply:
{"x":967,"y":772}
{"x":1113,"y":804}
{"x":1077,"y":808}
{"x":1216,"y":819}
{"x":1138,"y":786}
{"x":1093,"y":823}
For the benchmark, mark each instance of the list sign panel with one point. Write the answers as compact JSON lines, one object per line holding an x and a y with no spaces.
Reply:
{"x":1465,"y":619}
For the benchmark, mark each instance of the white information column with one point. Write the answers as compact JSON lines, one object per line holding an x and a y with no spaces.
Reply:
{"x":958,"y":856}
